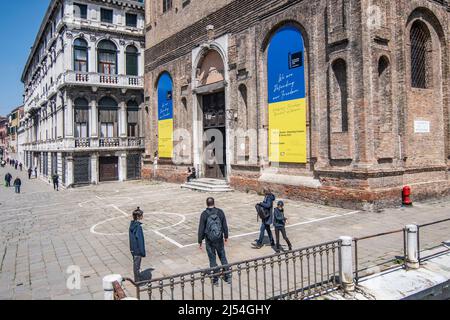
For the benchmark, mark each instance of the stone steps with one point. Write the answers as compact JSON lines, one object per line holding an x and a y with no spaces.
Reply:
{"x":208,"y":185}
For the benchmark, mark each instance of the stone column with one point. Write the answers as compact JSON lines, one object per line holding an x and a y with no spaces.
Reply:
{"x":93,"y":125}
{"x":346,"y":267}
{"x":59,"y":165}
{"x":49,"y":164}
{"x":122,"y":120}
{"x":69,"y":118}
{"x":123,"y":166}
{"x":94,"y":168}
{"x":69,"y":171}
{"x":121,"y":60}
{"x":108,"y":285}
{"x":412,"y":250}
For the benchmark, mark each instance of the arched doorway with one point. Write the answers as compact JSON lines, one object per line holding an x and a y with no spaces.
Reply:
{"x":287,"y":96}
{"x":210,"y":80}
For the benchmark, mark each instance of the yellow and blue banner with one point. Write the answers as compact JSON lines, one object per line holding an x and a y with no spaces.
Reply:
{"x":165,"y":116}
{"x":287,"y":97}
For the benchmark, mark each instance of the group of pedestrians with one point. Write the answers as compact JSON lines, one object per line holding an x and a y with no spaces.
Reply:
{"x":15,"y":164}
{"x":213,"y":229}
{"x":270,"y":216}
{"x":17,"y":183}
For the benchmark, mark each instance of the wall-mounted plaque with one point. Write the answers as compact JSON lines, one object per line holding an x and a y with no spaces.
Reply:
{"x":421,"y":126}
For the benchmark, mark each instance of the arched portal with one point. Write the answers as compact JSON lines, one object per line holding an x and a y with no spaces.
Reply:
{"x":210,"y":80}
{"x":287,"y":96}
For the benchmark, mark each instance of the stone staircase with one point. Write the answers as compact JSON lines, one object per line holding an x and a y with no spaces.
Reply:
{"x":208,"y":185}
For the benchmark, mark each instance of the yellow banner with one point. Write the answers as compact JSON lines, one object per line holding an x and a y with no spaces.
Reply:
{"x":287,"y":131}
{"x":165,"y":138}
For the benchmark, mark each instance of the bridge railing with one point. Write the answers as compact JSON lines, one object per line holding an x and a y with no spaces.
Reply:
{"x":298,"y":274}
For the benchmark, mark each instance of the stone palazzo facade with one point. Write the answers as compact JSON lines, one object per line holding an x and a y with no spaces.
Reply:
{"x":339,"y":102}
{"x":83,"y":94}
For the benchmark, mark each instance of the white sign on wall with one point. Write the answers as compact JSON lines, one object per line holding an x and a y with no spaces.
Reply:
{"x":421,"y":126}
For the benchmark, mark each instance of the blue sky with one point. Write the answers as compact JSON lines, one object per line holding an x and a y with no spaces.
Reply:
{"x":19,"y":24}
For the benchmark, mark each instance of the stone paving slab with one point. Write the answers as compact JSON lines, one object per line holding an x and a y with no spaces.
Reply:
{"x":43,"y":232}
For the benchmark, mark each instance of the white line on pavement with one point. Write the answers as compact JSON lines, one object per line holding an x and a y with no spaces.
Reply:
{"x":288,"y":226}
{"x":168,"y":239}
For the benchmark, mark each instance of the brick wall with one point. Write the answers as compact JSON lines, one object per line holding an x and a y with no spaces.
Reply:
{"x":379,"y":151}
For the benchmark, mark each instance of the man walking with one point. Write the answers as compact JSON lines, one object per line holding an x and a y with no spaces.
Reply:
{"x":213,"y":229}
{"x":17,"y":184}
{"x":137,"y":243}
{"x":8,"y":178}
{"x":35,"y":172}
{"x":267,"y":205}
{"x":55,"y":179}
{"x":30,"y":171}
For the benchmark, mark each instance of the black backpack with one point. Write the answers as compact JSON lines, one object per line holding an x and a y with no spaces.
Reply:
{"x":213,"y":229}
{"x":263,"y":213}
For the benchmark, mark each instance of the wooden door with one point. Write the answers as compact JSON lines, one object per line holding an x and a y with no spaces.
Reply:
{"x":109,"y":168}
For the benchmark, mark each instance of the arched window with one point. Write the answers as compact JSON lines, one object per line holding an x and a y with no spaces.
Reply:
{"x":108,"y":117}
{"x":81,"y":118}
{"x":131,"y":55}
{"x":107,"y":57}
{"x":287,"y":103}
{"x":340,"y":93}
{"x":384,"y":94}
{"x":421,"y":56}
{"x":165,"y":116}
{"x":243,"y":106}
{"x":80,"y":55}
{"x":133,"y":118}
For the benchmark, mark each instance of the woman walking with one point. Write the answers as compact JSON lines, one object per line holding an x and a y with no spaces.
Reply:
{"x":280,"y":226}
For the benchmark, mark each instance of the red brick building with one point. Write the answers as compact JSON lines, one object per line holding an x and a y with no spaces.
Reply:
{"x":339,"y":102}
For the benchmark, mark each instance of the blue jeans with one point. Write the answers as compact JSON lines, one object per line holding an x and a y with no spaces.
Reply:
{"x":17,"y":189}
{"x":265,"y":227}
{"x":214,"y":249}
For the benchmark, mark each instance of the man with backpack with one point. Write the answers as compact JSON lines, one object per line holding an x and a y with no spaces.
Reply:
{"x":213,"y":229}
{"x":264,"y":210}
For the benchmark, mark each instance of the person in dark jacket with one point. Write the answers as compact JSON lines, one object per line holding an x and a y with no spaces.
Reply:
{"x":30,"y":171}
{"x":8,"y":178}
{"x":280,"y":226}
{"x":192,"y":174}
{"x":137,"y":242}
{"x":55,"y":179}
{"x":213,"y":228}
{"x":17,"y":184}
{"x":269,"y":199}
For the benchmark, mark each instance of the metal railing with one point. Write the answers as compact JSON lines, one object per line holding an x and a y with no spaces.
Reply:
{"x":135,"y":142}
{"x":82,"y":142}
{"x":423,"y":226}
{"x":378,"y":235}
{"x":109,"y":142}
{"x":299,"y":274}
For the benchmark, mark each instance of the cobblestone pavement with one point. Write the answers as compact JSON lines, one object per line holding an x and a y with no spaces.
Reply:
{"x":43,"y":232}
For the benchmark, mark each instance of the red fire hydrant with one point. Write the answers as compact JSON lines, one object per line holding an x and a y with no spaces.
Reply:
{"x":406,"y":196}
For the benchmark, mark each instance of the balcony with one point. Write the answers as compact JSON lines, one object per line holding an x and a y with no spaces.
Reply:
{"x":85,"y":144}
{"x":109,"y":142}
{"x":103,"y":80}
{"x":82,"y":143}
